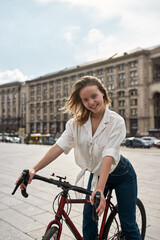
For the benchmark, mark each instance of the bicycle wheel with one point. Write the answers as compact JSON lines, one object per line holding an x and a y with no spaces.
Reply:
{"x":51,"y":234}
{"x":113,"y":228}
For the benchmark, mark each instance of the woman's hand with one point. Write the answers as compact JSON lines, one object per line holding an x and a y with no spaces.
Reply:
{"x":102,"y":204}
{"x":31,"y":175}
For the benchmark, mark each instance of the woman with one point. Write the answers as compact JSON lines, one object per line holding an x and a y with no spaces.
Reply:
{"x":96,"y":133}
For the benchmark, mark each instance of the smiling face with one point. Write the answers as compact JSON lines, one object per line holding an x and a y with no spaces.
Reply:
{"x":92,"y":99}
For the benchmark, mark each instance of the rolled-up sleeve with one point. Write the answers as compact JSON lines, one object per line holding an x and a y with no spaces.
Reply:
{"x":66,"y":139}
{"x":114,"y":141}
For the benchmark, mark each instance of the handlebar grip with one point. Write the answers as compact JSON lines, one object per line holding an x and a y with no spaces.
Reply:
{"x":97,"y":199}
{"x":24,"y":192}
{"x":24,"y":179}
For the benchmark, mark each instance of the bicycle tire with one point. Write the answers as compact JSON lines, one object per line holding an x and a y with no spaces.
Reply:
{"x":117,"y":234}
{"x":51,"y":234}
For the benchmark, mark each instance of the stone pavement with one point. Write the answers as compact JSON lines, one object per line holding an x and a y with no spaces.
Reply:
{"x":26,"y":219}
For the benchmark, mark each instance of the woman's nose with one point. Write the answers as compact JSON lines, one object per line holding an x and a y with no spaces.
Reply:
{"x":91,"y":101}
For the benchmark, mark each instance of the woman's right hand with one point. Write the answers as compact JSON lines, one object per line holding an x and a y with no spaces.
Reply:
{"x":31,"y":175}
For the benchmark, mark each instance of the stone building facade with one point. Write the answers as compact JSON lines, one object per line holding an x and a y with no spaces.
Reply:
{"x":132,"y":80}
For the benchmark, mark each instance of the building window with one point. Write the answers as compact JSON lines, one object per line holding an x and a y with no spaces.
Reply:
{"x":121,"y":76}
{"x":133,"y":102}
{"x":100,"y":71}
{"x":121,"y":103}
{"x":134,"y":112}
{"x":65,"y":117}
{"x":38,"y":118}
{"x":32,"y":118}
{"x":110,"y":69}
{"x":121,"y":94}
{"x":14,"y":90}
{"x":121,"y":84}
{"x":133,"y":92}
{"x":38,"y":111}
{"x":90,"y":73}
{"x":81,"y":75}
{"x":45,"y":91}
{"x":101,"y":79}
{"x":38,"y":89}
{"x":58,"y":81}
{"x":65,"y":87}
{"x":45,"y":107}
{"x":58,"y":88}
{"x":110,"y":87}
{"x":58,"y":95}
{"x":122,"y":112}
{"x":73,"y":78}
{"x":45,"y":97}
{"x":65,"y":80}
{"x":111,"y":95}
{"x":52,"y":117}
{"x":110,"y":78}
{"x":45,"y":118}
{"x":51,"y":107}
{"x":121,"y":67}
{"x":44,"y":127}
{"x":38,"y":127}
{"x":134,"y":82}
{"x":58,"y":117}
{"x":133,"y":64}
{"x":44,"y":86}
{"x":133,"y":74}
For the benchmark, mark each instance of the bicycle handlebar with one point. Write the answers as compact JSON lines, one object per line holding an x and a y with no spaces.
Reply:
{"x":59,"y":183}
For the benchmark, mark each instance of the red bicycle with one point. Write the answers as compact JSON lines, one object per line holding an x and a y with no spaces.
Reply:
{"x":110,"y":228}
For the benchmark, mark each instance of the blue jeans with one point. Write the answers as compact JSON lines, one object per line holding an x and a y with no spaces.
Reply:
{"x":124,"y":181}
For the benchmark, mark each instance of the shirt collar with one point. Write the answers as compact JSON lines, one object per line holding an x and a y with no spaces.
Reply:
{"x":102,"y":125}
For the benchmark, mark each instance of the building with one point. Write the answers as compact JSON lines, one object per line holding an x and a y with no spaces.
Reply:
{"x":132,"y":80}
{"x":10,"y":107}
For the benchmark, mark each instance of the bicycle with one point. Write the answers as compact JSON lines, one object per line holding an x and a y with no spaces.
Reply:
{"x":110,"y":226}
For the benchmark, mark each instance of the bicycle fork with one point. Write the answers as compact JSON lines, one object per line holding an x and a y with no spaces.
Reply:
{"x":61,"y":213}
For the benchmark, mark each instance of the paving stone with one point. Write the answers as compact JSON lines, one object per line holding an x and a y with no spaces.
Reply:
{"x":10,"y":201}
{"x":8,"y":232}
{"x":3,"y":206}
{"x":20,"y":221}
{"x":28,"y":209}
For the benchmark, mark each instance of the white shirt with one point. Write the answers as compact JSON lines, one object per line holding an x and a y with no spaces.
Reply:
{"x":90,"y":150}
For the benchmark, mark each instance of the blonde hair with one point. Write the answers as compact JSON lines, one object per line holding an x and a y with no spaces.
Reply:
{"x":74,"y":104}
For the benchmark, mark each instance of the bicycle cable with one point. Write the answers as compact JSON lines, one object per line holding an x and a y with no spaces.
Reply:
{"x":69,"y":205}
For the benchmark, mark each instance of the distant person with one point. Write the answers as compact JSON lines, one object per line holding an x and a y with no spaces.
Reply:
{"x":96,"y":134}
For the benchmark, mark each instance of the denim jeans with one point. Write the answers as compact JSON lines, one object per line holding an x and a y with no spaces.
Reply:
{"x":124,"y":181}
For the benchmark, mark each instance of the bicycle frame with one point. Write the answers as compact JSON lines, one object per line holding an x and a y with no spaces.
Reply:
{"x":62,"y":213}
{"x":66,"y":186}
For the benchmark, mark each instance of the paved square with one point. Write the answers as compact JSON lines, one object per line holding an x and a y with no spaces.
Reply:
{"x":26,"y":219}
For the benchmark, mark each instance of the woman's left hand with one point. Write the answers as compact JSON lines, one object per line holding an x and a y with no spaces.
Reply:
{"x":102,"y":204}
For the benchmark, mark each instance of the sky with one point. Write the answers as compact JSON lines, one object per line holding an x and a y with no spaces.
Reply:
{"x":38,"y":37}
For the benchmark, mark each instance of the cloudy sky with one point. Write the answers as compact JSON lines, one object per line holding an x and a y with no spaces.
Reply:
{"x":42,"y":36}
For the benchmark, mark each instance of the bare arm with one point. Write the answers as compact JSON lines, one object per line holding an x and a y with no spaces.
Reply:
{"x":105,"y":170}
{"x":51,"y":155}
